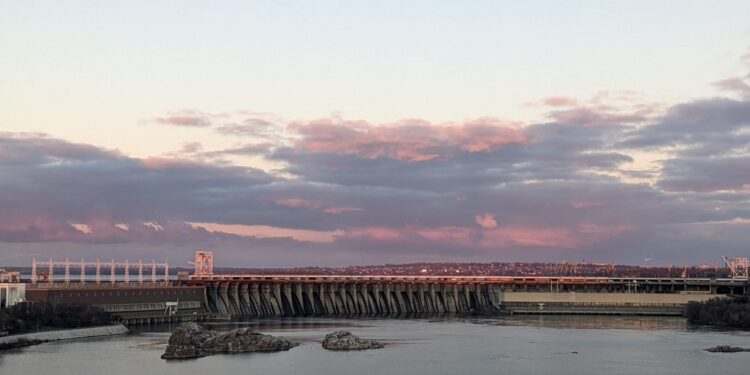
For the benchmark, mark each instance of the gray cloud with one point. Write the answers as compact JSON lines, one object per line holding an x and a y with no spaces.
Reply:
{"x":693,"y":125}
{"x":551,"y":188}
{"x":706,"y":174}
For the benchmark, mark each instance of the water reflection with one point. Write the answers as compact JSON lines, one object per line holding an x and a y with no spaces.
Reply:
{"x":588,"y":322}
{"x":540,"y":321}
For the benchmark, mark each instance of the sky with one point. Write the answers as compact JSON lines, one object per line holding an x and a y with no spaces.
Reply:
{"x":292,"y":133}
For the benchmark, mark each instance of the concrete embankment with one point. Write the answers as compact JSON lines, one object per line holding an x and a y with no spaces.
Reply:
{"x":66,"y":334}
{"x":599,"y":303}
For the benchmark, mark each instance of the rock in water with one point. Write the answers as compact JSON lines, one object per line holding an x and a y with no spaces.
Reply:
{"x":191,"y":340}
{"x":344,"y":340}
{"x":727,"y":349}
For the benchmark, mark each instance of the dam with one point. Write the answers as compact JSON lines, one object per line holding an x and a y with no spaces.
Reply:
{"x":153,"y":297}
{"x":246,"y":296}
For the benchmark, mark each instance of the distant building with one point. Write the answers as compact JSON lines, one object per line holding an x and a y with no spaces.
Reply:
{"x":11,"y":294}
{"x":12,"y":290}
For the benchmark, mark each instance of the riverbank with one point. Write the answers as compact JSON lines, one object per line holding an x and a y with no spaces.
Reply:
{"x":27,"y":339}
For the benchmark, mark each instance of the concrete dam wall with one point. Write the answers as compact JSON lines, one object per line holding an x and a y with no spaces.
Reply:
{"x":260,"y":300}
{"x":249,"y":299}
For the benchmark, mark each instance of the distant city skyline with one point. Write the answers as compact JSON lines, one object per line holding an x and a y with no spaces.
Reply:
{"x":290,"y":134}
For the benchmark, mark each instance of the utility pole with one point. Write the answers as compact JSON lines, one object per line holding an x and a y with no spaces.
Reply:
{"x":33,"y":271}
{"x":140,"y":271}
{"x":153,"y":271}
{"x":67,"y":272}
{"x":83,"y":272}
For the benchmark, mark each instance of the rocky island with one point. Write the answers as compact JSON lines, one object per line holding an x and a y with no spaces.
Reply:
{"x":344,"y":340}
{"x":191,"y":340}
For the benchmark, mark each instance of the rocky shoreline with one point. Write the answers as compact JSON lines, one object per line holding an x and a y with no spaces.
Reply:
{"x":191,"y":340}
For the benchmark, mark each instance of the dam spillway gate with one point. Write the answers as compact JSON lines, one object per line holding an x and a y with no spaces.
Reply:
{"x":251,"y":299}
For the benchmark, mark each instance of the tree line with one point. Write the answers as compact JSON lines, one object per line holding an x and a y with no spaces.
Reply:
{"x":728,"y":312}
{"x":31,"y":317}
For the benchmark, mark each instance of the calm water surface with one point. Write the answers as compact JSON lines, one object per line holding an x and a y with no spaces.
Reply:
{"x":530,"y":345}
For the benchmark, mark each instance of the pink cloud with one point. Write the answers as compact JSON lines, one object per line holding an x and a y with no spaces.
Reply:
{"x":341,"y":210}
{"x":191,"y":147}
{"x":159,"y":163}
{"x":745,"y":58}
{"x":314,"y":205}
{"x":597,"y":116}
{"x":186,"y":118}
{"x":266,"y":231}
{"x":36,"y":227}
{"x":737,"y":85}
{"x":546,"y":237}
{"x":454,"y":235}
{"x":298,"y":202}
{"x":587,"y":204}
{"x":486,"y":221}
{"x":604,"y":230}
{"x":376,"y":233}
{"x":409,"y":140}
{"x":490,"y":238}
{"x":604,"y":108}
{"x":559,"y":101}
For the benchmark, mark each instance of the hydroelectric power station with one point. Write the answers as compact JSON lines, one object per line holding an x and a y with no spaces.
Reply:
{"x":152,"y":297}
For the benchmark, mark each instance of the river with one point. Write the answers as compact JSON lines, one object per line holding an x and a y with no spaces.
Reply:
{"x":440,"y":345}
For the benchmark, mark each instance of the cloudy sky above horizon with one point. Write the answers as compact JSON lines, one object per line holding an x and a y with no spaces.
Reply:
{"x":290,"y":134}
